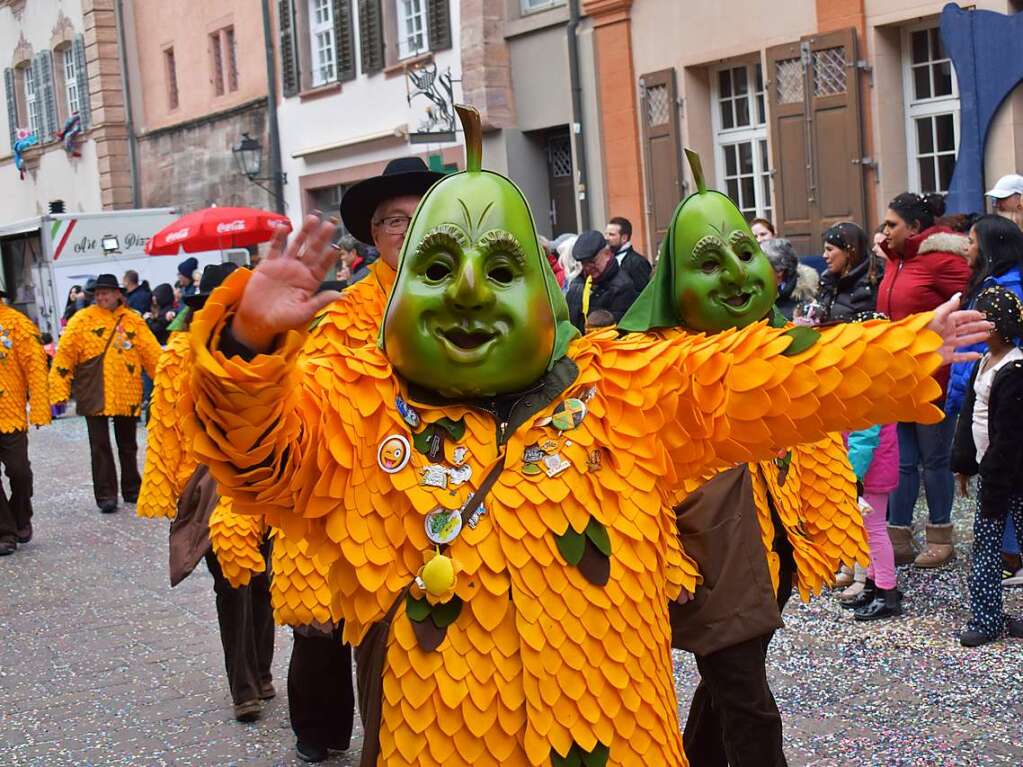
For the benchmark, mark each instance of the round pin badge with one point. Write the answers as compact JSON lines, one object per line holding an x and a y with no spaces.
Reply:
{"x":443,"y":525}
{"x":393,"y":453}
{"x":569,"y":414}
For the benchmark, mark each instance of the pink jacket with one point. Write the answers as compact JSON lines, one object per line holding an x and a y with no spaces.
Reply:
{"x":874,"y":455}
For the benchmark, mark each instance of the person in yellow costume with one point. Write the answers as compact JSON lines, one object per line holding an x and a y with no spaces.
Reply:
{"x":234,"y":546}
{"x":755,"y":528}
{"x":103,"y":351}
{"x":492,"y":490}
{"x":22,"y":382}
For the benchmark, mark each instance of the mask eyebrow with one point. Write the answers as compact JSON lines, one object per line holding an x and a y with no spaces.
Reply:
{"x":506,"y":242}
{"x":707,"y":243}
{"x":441,"y":235}
{"x":739,"y":237}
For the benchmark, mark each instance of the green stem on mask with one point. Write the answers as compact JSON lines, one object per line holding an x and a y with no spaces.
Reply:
{"x":472,"y":125}
{"x":697,"y":168}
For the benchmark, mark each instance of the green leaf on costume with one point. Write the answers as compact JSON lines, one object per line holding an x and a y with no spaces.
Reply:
{"x":597,"y":534}
{"x":317,"y":321}
{"x":446,"y":614}
{"x":572,"y":759}
{"x":455,"y":429}
{"x":571,"y":545}
{"x":776,"y":319}
{"x":597,"y":757}
{"x":416,"y":609}
{"x":421,"y":441}
{"x":802,"y":339}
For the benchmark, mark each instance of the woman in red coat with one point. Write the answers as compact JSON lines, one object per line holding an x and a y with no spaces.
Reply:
{"x":926,"y":266}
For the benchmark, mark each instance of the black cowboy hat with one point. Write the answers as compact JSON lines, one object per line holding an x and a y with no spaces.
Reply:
{"x":405,"y":175}
{"x":106,"y":281}
{"x":212,"y":276}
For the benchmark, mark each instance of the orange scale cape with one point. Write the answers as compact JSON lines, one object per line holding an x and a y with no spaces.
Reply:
{"x":22,"y":373}
{"x":539,"y":659}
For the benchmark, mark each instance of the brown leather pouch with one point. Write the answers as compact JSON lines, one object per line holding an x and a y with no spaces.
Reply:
{"x":87,"y":385}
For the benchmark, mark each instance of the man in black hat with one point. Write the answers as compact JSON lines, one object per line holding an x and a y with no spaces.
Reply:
{"x":103,"y":351}
{"x":602,"y":284}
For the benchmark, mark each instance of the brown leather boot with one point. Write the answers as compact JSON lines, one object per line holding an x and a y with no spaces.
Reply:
{"x":902,"y":544}
{"x":940,"y":550}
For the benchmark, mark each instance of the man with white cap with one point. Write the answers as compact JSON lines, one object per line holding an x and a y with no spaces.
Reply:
{"x":1007,"y":197}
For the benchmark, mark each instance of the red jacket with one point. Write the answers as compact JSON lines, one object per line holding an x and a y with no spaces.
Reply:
{"x":930,"y":271}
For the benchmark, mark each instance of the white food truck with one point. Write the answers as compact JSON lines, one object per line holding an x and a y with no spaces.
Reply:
{"x":43,"y":257}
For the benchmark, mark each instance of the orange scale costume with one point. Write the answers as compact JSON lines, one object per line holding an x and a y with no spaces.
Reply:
{"x":22,"y":373}
{"x":537,"y":659}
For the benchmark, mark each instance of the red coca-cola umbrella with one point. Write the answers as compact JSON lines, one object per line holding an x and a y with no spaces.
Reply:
{"x":216,"y":229}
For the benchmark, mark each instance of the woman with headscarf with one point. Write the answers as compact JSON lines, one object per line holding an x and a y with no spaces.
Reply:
{"x":926,"y":267}
{"x":987,"y":444}
{"x":849,"y":286}
{"x":162,"y":313}
{"x":797,"y":282}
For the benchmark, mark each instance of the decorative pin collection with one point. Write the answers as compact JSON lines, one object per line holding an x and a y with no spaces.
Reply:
{"x":443,"y":525}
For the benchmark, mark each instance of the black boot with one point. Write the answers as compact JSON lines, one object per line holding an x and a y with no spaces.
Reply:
{"x":865,"y":598}
{"x":887,"y":604}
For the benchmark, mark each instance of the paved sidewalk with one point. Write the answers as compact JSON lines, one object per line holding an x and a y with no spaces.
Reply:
{"x":101,"y":663}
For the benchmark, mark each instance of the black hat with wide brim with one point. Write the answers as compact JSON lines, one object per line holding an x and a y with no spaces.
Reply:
{"x":212,"y":276}
{"x":107,"y":281}
{"x":403,"y":176}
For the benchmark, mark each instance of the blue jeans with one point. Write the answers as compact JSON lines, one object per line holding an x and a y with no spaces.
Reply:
{"x":1010,"y":543}
{"x":929,"y":447}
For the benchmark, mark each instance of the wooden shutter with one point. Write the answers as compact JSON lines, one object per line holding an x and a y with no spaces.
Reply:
{"x":662,"y":152}
{"x":371,"y":36}
{"x":82,"y":74}
{"x":289,"y":48}
{"x":816,"y":136}
{"x":43,"y":65}
{"x":344,"y":40}
{"x":12,"y":104}
{"x":438,"y":20}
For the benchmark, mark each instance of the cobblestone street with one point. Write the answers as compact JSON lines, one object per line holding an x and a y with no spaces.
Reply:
{"x":102,"y":663}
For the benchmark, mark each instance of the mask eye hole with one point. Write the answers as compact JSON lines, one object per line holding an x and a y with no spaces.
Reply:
{"x":708,"y":266}
{"x":745,"y":254}
{"x":437,"y":271}
{"x":501,"y":274}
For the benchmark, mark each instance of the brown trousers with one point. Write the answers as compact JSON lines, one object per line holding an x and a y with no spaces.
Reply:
{"x":16,"y":511}
{"x":246,"y":630}
{"x":104,"y":471}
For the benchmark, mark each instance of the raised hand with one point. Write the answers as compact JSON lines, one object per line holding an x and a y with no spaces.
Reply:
{"x":281,"y":294}
{"x":958,"y":328}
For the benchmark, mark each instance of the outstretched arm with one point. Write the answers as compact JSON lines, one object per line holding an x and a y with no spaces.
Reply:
{"x":254,"y":417}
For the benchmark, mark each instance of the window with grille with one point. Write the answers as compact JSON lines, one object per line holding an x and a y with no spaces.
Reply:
{"x":322,"y":43}
{"x":171,"y":74}
{"x":528,"y":6}
{"x":71,"y":92}
{"x":216,"y":64}
{"x":932,"y":109}
{"x":33,"y":108}
{"x":740,"y":138}
{"x":411,"y":28}
{"x":231,"y":53}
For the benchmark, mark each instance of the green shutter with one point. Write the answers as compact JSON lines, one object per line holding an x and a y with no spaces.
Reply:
{"x":438,"y":20}
{"x":289,"y":50}
{"x":371,"y":36}
{"x":82,"y":75}
{"x":12,"y":105}
{"x":344,"y":40}
{"x":47,"y":96}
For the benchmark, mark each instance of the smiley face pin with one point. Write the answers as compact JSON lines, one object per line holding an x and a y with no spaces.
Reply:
{"x":393,"y":453}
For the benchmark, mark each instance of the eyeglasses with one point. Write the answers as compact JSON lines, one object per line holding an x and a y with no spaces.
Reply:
{"x":394,"y":224}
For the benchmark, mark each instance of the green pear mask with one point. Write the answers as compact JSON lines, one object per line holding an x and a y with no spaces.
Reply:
{"x":711,"y":274}
{"x":475,"y":310}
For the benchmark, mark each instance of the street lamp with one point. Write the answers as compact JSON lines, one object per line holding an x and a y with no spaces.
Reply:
{"x":248,"y":156}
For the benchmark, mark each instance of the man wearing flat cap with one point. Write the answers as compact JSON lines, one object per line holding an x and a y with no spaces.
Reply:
{"x":103,"y":350}
{"x":602,"y":283}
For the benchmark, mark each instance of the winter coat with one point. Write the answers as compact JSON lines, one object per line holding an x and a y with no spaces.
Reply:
{"x":158,"y":322}
{"x":930,"y":271}
{"x":959,"y":375}
{"x":131,"y":350}
{"x":22,"y":373}
{"x":556,"y":267}
{"x":637,"y":267}
{"x":802,"y":288}
{"x":1002,"y":464}
{"x":140,"y":298}
{"x":613,"y":292}
{"x":874,"y":456}
{"x":844,"y":297}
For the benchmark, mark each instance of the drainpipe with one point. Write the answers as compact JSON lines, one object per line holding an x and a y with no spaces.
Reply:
{"x":577,"y":111}
{"x":129,"y":123}
{"x":276,"y":176}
